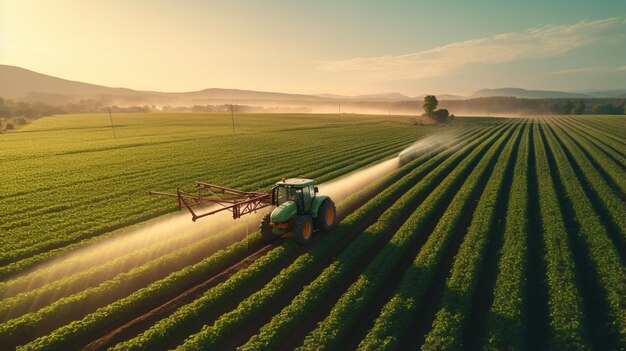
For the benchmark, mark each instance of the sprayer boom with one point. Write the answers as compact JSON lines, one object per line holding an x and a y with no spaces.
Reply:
{"x":237,"y":201}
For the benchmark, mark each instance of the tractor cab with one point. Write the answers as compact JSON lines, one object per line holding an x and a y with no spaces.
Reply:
{"x":299,"y":191}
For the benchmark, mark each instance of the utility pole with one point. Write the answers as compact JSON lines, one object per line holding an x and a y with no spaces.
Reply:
{"x":339,"y":110}
{"x":111,"y":119}
{"x":232,"y":116}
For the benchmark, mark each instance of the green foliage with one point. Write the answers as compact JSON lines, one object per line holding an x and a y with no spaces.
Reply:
{"x":451,"y":320}
{"x":566,"y":318}
{"x":63,"y":311}
{"x":579,"y":161}
{"x":468,"y":172}
{"x":211,"y":336}
{"x":608,"y":109}
{"x":600,"y":249}
{"x":430,"y":104}
{"x":395,"y":319}
{"x":441,"y":115}
{"x":508,"y":105}
{"x":289,"y":318}
{"x":578,"y":107}
{"x":506,"y":325}
{"x":603,"y":156}
{"x":68,"y":159}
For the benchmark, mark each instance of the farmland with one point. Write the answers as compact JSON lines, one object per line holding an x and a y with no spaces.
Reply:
{"x":499,"y":234}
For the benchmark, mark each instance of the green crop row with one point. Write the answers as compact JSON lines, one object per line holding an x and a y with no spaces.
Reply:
{"x":468,"y":174}
{"x":29,"y":326}
{"x":211,"y":336}
{"x":323,"y":173}
{"x":72,"y":271}
{"x":58,"y":202}
{"x":278,"y":329}
{"x":194,"y":252}
{"x":190,"y":313}
{"x":611,"y":201}
{"x":506,"y":320}
{"x":396,"y":317}
{"x":612,"y":169}
{"x":593,"y":127}
{"x":349,"y":165}
{"x":607,"y":147}
{"x":451,"y":320}
{"x":76,"y":334}
{"x":613,"y":125}
{"x":251,"y":177}
{"x":601,"y":250}
{"x":566,"y":319}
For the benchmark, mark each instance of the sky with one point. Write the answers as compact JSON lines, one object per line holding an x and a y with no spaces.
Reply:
{"x":346,"y":47}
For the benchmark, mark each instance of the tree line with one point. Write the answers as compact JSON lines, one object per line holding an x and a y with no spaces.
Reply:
{"x":511,"y":105}
{"x":11,"y":110}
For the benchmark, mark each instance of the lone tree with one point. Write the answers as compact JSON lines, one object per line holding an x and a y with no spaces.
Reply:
{"x":430,"y":104}
{"x":430,"y":111}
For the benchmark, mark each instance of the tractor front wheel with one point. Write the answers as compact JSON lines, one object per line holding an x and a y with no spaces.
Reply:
{"x":326,"y":216}
{"x":266,"y":232}
{"x":303,"y":229}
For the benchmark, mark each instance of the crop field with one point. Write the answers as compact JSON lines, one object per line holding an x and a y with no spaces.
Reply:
{"x":504,"y":234}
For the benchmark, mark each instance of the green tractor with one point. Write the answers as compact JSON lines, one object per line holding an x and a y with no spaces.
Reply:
{"x":300,"y":209}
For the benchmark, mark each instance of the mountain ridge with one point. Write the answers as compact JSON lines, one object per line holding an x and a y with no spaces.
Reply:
{"x":23,"y":84}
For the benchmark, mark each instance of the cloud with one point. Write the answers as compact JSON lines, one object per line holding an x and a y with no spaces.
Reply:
{"x":534,"y":43}
{"x":606,"y":69}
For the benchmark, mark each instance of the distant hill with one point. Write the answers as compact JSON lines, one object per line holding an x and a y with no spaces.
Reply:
{"x":22,"y":84}
{"x":528,"y":94}
{"x":17,"y":83}
{"x":442,"y":97}
{"x":611,"y":94}
{"x":389,"y":97}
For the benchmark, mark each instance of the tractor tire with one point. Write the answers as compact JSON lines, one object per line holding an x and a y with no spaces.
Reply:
{"x":303,"y":229}
{"x":326,"y":216}
{"x":266,"y":232}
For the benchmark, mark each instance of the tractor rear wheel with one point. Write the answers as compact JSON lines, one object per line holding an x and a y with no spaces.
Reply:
{"x":266,"y":232}
{"x":303,"y":229}
{"x":326,"y":216}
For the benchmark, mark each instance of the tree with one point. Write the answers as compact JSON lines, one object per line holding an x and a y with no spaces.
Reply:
{"x":430,"y":104}
{"x":566,"y":107}
{"x":605,"y":109}
{"x":579,"y":107}
{"x":441,"y":115}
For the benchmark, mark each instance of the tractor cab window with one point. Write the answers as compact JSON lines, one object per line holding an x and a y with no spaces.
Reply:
{"x":288,"y":194}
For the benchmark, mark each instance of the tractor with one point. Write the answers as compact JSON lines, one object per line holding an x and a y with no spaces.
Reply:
{"x":299,"y":206}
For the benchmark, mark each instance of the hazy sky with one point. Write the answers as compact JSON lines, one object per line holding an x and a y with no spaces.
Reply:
{"x":342,"y":47}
